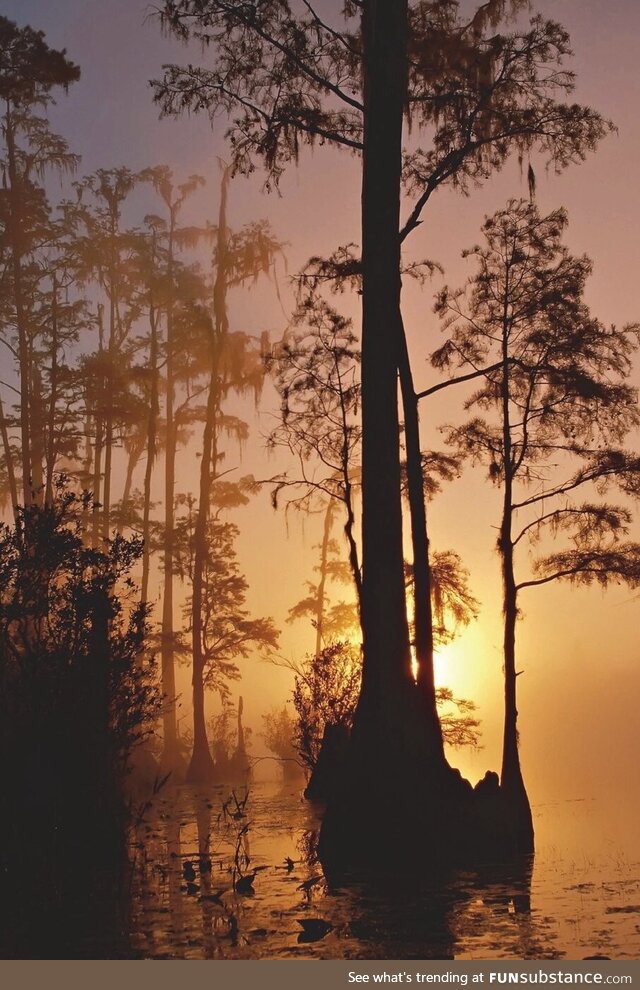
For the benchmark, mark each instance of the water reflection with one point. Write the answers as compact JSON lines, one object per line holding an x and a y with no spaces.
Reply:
{"x":290,"y":910}
{"x":225,"y":874}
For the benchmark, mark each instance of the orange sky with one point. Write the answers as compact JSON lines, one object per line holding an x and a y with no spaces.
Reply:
{"x":578,"y":649}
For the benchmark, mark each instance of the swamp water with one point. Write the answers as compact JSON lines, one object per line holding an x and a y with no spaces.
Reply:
{"x":581,"y":898}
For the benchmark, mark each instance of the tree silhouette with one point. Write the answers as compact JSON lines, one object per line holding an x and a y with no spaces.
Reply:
{"x":64,"y":317}
{"x":234,"y":365}
{"x":286,"y":79}
{"x":316,"y":374}
{"x":74,"y":702}
{"x":110,"y":254}
{"x":331,"y":620}
{"x":173,"y":198}
{"x":151,"y":249}
{"x":29,"y":71}
{"x":228,"y":632}
{"x":552,"y":393}
{"x":325,"y":696}
{"x":229,"y":743}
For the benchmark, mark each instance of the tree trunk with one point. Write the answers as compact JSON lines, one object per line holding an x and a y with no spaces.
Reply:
{"x":86,"y":473}
{"x":170,"y":730}
{"x":112,"y":350}
{"x":135,"y":453}
{"x":170,"y":758}
{"x":99,"y":421}
{"x":21,"y":319}
{"x":53,"y":398}
{"x":97,"y":481}
{"x":152,"y":429}
{"x":398,"y":803}
{"x":322,"y":579}
{"x":345,"y":470}
{"x":386,"y":667}
{"x":354,"y":562}
{"x":201,"y":765}
{"x":108,"y":445}
{"x":8,"y":456}
{"x":512,"y":783}
{"x":389,"y":754}
{"x":423,"y":615}
{"x":37,"y":430}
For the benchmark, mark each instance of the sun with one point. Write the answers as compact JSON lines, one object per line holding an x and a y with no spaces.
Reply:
{"x":443,"y":658}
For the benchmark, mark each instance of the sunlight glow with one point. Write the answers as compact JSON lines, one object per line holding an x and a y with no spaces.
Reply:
{"x":440,"y":665}
{"x":414,"y":663}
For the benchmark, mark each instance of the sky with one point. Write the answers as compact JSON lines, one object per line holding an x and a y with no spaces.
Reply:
{"x":578,"y":649}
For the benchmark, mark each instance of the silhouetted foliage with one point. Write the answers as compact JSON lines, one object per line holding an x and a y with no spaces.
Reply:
{"x":229,"y":632}
{"x":74,"y":702}
{"x":556,"y":380}
{"x":332,"y":620}
{"x":553,"y":391}
{"x":285,"y":78}
{"x":316,"y":374}
{"x":233,"y":367}
{"x":56,"y":596}
{"x":182,"y":289}
{"x":29,"y":151}
{"x":326,"y":691}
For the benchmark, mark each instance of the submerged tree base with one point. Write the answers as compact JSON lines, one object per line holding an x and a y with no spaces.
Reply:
{"x":398,"y":805}
{"x":201,"y":769}
{"x":442,"y":822}
{"x":326,"y":773}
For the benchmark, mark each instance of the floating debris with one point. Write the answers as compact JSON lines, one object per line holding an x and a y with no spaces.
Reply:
{"x":314,"y":929}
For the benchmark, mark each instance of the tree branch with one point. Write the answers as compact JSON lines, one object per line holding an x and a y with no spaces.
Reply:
{"x":459,"y":379}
